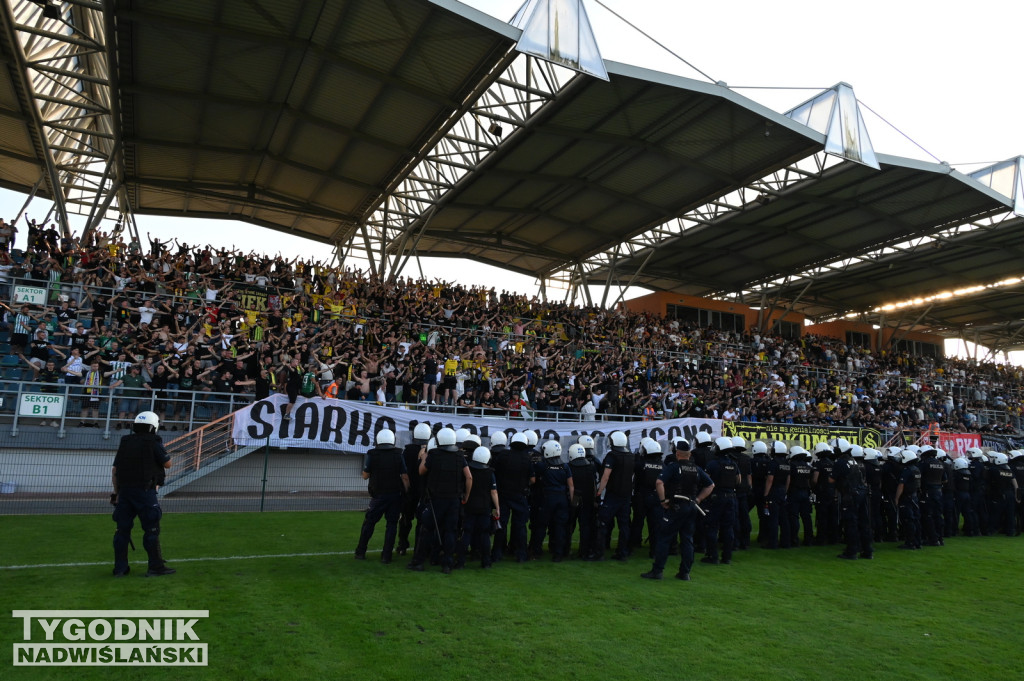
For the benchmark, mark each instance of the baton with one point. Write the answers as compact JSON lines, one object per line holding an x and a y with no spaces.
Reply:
{"x":689,"y":500}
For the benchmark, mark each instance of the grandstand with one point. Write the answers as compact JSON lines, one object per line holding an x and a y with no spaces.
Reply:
{"x":776,"y":242}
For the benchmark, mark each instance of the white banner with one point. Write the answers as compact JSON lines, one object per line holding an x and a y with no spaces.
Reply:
{"x":350,"y":426}
{"x":40,"y":404}
{"x":30,"y":294}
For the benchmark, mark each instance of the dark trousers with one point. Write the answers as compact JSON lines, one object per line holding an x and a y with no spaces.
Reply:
{"x":582,"y":515}
{"x":826,"y":518}
{"x":132,"y":502}
{"x":857,"y":523}
{"x":476,"y":530}
{"x":744,"y":528}
{"x":677,"y":521}
{"x":410,"y":502}
{"x":617,"y":509}
{"x":516,"y":510}
{"x":910,"y":522}
{"x":442,"y":520}
{"x":554,"y":519}
{"x":775,"y":522}
{"x":388,"y":506}
{"x":798,"y":507}
{"x":930,"y":501}
{"x":721,"y":525}
{"x":970,"y":516}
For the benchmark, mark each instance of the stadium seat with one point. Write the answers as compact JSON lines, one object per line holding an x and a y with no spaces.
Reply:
{"x":10,"y":361}
{"x":12,"y":373}
{"x":86,"y":322}
{"x":5,"y":336}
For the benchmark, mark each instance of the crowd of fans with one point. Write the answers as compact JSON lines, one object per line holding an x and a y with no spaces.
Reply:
{"x":174,"y":320}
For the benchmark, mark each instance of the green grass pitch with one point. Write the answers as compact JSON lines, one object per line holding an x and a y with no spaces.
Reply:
{"x":955,"y":612}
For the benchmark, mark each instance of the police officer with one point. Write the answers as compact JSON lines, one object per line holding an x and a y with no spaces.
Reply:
{"x":962,"y":486}
{"x":725,"y":474}
{"x":758,"y":473}
{"x":647,"y":509}
{"x":826,"y":511}
{"x":536,"y":548}
{"x":891,"y":469}
{"x":556,"y":481}
{"x":411,"y":501}
{"x":1017,"y":466}
{"x":930,"y":496}
{"x":614,"y":490}
{"x":873,"y":479}
{"x":776,"y":487}
{"x":139,"y":468}
{"x":703,"y":450}
{"x":1006,"y":492}
{"x":682,"y":487}
{"x":744,"y":463}
{"x":848,"y":478}
{"x":481,"y":507}
{"x":584,"y":485}
{"x":978,"y":487}
{"x":444,"y":468}
{"x":798,"y":500}
{"x":948,"y":495}
{"x":512,"y":470}
{"x":906,"y":499}
{"x":384,"y":467}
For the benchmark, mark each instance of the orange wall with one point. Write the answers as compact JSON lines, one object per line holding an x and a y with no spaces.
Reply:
{"x":657,"y":303}
{"x":838,"y":329}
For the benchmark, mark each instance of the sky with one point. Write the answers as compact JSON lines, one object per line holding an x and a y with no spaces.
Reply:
{"x":945,"y":75}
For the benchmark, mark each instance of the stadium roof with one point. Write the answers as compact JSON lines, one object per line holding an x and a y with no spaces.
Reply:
{"x":313,"y":118}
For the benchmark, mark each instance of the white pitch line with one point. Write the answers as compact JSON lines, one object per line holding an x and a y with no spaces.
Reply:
{"x":183,"y":560}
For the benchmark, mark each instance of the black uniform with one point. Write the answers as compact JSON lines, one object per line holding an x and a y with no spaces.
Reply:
{"x":444,"y":480}
{"x":853,"y":504}
{"x":647,"y":508}
{"x":826,"y":510}
{"x":910,"y":513}
{"x":930,"y":499}
{"x":776,"y":522}
{"x":512,"y":470}
{"x":139,"y":468}
{"x":798,"y":500}
{"x":386,"y":468}
{"x":724,"y":473}
{"x":584,"y":481}
{"x":615,"y":505}
{"x":743,"y":500}
{"x":683,"y":481}
{"x":962,"y":488}
{"x":476,"y":522}
{"x":411,"y":501}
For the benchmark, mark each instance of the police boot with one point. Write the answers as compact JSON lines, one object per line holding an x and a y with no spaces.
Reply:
{"x":121,"y":568}
{"x":157,"y":566}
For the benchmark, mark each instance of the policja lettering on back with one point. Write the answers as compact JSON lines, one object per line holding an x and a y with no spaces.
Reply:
{"x":443,"y":467}
{"x":384,"y":467}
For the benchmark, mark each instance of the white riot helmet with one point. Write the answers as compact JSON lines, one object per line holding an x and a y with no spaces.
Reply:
{"x":148,"y":418}
{"x":913,"y":448}
{"x":445,"y":437}
{"x":973,"y":451}
{"x":651,"y":446}
{"x":520,"y":439}
{"x":961,"y":463}
{"x":460,"y":435}
{"x":702,"y":438}
{"x":856,"y":451}
{"x":619,"y":441}
{"x":475,"y":439}
{"x":1015,"y":454}
{"x":498,"y":439}
{"x":432,"y":443}
{"x":779,"y":448}
{"x":822,"y":448}
{"x":739,"y":443}
{"x":841,"y":445}
{"x":798,"y":451}
{"x":999,"y":458}
{"x":385,"y":437}
{"x":680,"y":443}
{"x":576,"y":451}
{"x":421,"y":433}
{"x":872,"y":454}
{"x":531,"y":438}
{"x":586,"y":441}
{"x":760,"y":447}
{"x":895,"y":453}
{"x":909,"y":455}
{"x":552,"y":449}
{"x":723,"y":444}
{"x":940,"y":453}
{"x":482,"y":455}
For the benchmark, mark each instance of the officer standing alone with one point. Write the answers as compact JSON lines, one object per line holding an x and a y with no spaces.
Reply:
{"x":139,"y":469}
{"x":681,"y":487}
{"x":384,"y":467}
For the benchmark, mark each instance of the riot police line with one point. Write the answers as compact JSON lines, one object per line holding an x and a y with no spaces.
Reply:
{"x":449,"y":500}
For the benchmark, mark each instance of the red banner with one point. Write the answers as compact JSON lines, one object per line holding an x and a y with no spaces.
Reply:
{"x":957,"y":444}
